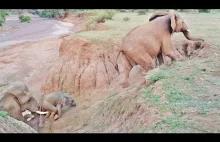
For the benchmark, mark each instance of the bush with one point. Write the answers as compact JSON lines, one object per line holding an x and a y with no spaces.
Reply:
{"x":50,"y":13}
{"x":99,"y":16}
{"x":23,"y":19}
{"x":204,"y":10}
{"x":142,"y":11}
{"x":110,"y":13}
{"x":3,"y":14}
{"x":122,"y":10}
{"x":126,"y":18}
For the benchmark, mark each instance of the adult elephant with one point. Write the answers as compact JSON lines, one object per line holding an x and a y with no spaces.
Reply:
{"x":143,"y":43}
{"x":16,"y":99}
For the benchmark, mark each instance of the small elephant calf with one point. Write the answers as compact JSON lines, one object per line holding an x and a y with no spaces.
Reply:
{"x":53,"y":102}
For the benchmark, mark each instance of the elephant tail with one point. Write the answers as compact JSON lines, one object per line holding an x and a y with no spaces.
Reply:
{"x":116,"y":65}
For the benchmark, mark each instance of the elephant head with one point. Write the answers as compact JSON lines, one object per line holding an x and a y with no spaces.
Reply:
{"x":67,"y":100}
{"x":23,"y":97}
{"x":176,"y":23}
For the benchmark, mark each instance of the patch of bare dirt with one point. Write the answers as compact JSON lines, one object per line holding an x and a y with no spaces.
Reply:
{"x":7,"y":29}
{"x":188,"y":49}
{"x":29,"y":61}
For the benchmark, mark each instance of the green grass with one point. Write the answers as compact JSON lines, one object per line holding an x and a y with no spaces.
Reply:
{"x":183,"y":92}
{"x":15,"y":124}
{"x":188,"y":86}
{"x":172,"y":123}
{"x":203,"y":25}
{"x":24,"y":19}
{"x":158,"y":76}
{"x":118,"y":29}
{"x":4,"y":114}
{"x":153,"y":99}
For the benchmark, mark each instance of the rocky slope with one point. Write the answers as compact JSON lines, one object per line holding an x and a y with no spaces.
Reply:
{"x":11,"y":125}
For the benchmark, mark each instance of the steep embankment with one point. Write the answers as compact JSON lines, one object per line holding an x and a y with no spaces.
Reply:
{"x":87,"y":71}
{"x":11,"y":125}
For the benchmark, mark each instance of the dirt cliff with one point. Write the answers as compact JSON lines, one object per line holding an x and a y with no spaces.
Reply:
{"x":86,"y":70}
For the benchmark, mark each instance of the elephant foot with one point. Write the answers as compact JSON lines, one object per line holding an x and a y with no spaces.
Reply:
{"x":56,"y":117}
{"x":181,"y":58}
{"x":125,"y":84}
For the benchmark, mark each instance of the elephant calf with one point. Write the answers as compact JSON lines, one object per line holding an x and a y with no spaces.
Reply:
{"x":16,"y":99}
{"x":53,"y":102}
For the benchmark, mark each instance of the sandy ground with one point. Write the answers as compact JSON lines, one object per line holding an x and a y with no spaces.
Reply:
{"x":37,"y":29}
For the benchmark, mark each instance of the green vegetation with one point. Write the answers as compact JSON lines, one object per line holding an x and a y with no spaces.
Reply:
{"x":158,"y":75}
{"x":50,"y":13}
{"x":189,"y":90}
{"x":142,"y":11}
{"x":153,"y":98}
{"x":99,"y":16}
{"x":204,"y":10}
{"x":169,"y":124}
{"x":126,"y":18}
{"x":24,"y":19}
{"x":4,"y":114}
{"x":3,"y":14}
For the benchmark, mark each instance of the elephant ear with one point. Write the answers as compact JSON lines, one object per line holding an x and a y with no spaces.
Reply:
{"x":16,"y":107}
{"x":157,"y":14}
{"x":65,"y":101}
{"x":173,"y":20}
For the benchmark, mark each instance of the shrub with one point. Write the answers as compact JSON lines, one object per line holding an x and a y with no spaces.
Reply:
{"x":189,"y":10}
{"x":3,"y":14}
{"x":110,"y":13}
{"x":50,"y":13}
{"x":142,"y":11}
{"x":122,"y":10}
{"x":23,"y":19}
{"x":126,"y":18}
{"x":204,"y":10}
{"x":99,"y":16}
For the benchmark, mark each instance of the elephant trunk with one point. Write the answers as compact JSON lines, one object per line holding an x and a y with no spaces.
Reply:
{"x":187,"y":35}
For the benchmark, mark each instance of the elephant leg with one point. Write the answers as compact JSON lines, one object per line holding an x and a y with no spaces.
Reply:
{"x":59,"y":106}
{"x":160,"y":58}
{"x":168,"y":50}
{"x":144,"y":60}
{"x":127,"y":68}
{"x":47,"y":115}
{"x":52,"y":116}
{"x":49,"y":107}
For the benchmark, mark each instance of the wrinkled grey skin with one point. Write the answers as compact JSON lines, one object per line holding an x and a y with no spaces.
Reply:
{"x":34,"y":122}
{"x":16,"y":98}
